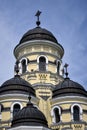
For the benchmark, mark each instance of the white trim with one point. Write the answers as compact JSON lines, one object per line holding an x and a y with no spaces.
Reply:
{"x":29,"y":128}
{"x":39,"y":42}
{"x":80,"y":110}
{"x":23,"y":58}
{"x":19,"y":97}
{"x":76,"y":104}
{"x":38,"y":61}
{"x":12,"y":106}
{"x":42,"y":56}
{"x":68,"y":97}
{"x":53,"y":114}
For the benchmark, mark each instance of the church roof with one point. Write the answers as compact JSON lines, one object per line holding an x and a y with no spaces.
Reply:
{"x":18,"y":85}
{"x":38,"y":33}
{"x":69,"y":88}
{"x":29,"y":116}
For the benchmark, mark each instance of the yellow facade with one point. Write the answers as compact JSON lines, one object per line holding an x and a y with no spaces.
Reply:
{"x":44,"y":82}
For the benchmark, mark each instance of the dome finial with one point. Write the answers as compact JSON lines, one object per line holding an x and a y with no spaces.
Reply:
{"x":29,"y":100}
{"x":65,"y":66}
{"x":16,"y":67}
{"x":29,"y":97}
{"x":38,"y":14}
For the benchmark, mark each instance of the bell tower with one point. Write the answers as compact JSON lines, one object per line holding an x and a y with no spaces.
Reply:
{"x":40,"y":62}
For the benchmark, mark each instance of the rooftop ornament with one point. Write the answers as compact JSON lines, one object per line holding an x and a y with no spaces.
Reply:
{"x":38,"y":15}
{"x":66,"y":72}
{"x":16,"y":67}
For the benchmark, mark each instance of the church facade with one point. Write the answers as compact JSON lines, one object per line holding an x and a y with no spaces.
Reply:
{"x":39,"y":68}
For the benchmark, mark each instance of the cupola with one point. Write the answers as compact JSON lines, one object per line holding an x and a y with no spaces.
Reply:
{"x":29,"y":116}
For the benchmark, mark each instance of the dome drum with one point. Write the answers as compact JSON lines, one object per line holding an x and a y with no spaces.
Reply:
{"x":38,"y":34}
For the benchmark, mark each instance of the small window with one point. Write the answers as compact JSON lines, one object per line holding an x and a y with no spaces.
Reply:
{"x":76,"y":113}
{"x":57,"y":116}
{"x":58,"y":67}
{"x":23,"y":66}
{"x":16,"y":108}
{"x":42,"y":64}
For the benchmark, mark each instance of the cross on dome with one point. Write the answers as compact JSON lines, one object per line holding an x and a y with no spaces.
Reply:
{"x":66,"y":72}
{"x":38,"y":15}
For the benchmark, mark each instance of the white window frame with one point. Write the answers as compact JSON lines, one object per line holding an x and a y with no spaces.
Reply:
{"x":46,"y":62}
{"x":12,"y":106}
{"x":53,"y":114}
{"x":20,"y":64}
{"x":80,"y":108}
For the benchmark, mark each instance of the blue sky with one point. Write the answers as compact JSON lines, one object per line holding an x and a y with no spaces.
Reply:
{"x":66,"y":19}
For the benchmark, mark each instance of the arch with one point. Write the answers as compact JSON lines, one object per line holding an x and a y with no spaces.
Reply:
{"x":15,"y":107}
{"x":24,"y":62}
{"x":56,"y":114}
{"x":76,"y":111}
{"x":42,"y":63}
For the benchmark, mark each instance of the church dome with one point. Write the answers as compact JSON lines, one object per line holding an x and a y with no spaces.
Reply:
{"x":16,"y":84}
{"x":69,"y":88}
{"x":38,"y":33}
{"x":29,"y":116}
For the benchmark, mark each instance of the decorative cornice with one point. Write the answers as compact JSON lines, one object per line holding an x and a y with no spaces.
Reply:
{"x":39,"y":42}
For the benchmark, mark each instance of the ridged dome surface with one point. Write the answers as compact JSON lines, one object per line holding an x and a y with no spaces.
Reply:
{"x":29,"y":116}
{"x":38,"y":33}
{"x":18,"y":85}
{"x":68,"y":87}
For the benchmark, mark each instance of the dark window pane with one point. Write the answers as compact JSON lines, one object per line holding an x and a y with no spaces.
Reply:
{"x":16,"y":108}
{"x":76,"y":113}
{"x":42,"y":64}
{"x":57,"y":116}
{"x":58,"y":67}
{"x":23,"y":66}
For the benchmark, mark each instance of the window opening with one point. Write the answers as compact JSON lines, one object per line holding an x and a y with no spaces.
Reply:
{"x":42,"y":64}
{"x":16,"y":108}
{"x":23,"y":66}
{"x":58,"y":67}
{"x":57,"y":116}
{"x":76,"y":113}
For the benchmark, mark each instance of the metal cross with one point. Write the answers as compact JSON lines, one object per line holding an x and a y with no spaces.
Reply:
{"x":38,"y":15}
{"x":66,"y":73}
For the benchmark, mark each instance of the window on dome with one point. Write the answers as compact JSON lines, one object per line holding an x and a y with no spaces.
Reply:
{"x":16,"y":108}
{"x":42,"y":63}
{"x":0,"y":110}
{"x":57,"y":116}
{"x":58,"y":67}
{"x":23,"y":66}
{"x":76,"y":113}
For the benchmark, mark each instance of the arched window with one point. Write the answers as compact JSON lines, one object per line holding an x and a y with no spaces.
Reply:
{"x":16,"y":108}
{"x":58,"y":67}
{"x":57,"y":116}
{"x":42,"y":63}
{"x":23,"y":66}
{"x":76,"y":113}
